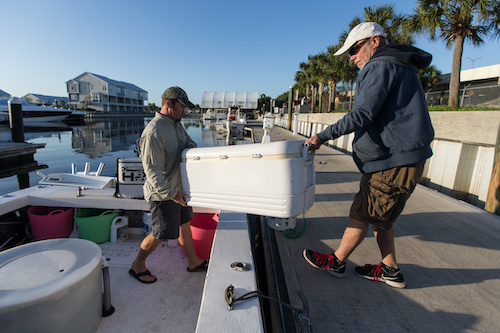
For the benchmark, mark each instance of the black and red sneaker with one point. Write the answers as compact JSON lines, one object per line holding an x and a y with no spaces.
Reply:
{"x":325,"y":261}
{"x":383,"y":273}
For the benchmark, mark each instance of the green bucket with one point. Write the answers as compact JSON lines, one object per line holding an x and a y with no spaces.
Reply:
{"x":95,"y":225}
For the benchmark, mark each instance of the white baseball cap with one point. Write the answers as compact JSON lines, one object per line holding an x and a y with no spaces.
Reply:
{"x":361,"y":31}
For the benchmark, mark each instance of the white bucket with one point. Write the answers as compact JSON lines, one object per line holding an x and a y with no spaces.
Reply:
{"x":146,"y":220}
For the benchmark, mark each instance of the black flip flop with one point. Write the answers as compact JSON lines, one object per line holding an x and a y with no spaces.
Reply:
{"x":138,"y":275}
{"x":201,"y":268}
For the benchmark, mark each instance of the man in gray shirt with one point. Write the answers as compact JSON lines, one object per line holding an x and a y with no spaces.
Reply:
{"x":162,"y":143}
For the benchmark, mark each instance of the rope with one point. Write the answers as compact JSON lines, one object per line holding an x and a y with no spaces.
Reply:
{"x":292,"y":233}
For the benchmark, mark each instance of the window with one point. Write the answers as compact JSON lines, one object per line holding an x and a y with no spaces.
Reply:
{"x":91,"y":87}
{"x":74,"y":97}
{"x":96,"y":98}
{"x":103,"y":88}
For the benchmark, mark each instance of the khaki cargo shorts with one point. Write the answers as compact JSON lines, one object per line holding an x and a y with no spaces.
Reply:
{"x":382,"y":195}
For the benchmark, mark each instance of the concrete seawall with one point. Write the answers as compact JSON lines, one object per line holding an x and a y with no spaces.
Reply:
{"x":464,"y":149}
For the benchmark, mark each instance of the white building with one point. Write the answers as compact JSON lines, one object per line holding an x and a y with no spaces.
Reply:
{"x":225,"y":99}
{"x":40,"y":99}
{"x":97,"y":92}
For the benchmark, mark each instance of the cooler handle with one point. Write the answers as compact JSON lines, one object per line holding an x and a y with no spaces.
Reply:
{"x":307,"y":154}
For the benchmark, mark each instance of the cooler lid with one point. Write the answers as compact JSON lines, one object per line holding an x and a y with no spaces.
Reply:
{"x":283,"y":149}
{"x":35,"y":269}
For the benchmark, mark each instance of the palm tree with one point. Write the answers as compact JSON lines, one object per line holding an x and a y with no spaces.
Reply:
{"x":429,"y":77}
{"x":392,"y":23}
{"x":334,"y":67}
{"x":313,"y":73}
{"x":300,"y":79}
{"x":495,"y":21}
{"x":304,"y":78}
{"x":455,"y":22}
{"x":349,"y":75}
{"x":320,"y":63}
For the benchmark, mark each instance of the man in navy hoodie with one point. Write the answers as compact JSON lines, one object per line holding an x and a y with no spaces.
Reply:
{"x":393,"y":132}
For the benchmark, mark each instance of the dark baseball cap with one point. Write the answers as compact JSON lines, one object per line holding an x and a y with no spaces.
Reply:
{"x":178,"y":94}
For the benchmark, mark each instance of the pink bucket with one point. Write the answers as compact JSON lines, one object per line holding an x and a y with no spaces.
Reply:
{"x":50,"y":222}
{"x":203,"y":227}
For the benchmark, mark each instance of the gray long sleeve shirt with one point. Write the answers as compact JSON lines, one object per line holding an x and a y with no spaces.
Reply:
{"x":162,"y":143}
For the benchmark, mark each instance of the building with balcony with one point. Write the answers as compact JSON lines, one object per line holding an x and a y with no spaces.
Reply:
{"x":99,"y":93}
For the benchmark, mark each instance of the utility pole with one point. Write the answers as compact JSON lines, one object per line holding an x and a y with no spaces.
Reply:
{"x":473,"y":60}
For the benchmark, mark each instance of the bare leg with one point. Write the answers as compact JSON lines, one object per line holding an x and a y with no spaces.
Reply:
{"x":148,"y":245}
{"x":186,"y":240}
{"x":385,"y":240}
{"x":353,"y":235}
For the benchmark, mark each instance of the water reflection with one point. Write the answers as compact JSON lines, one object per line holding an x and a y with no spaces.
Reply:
{"x":101,"y":140}
{"x":100,"y":137}
{"x":222,"y":133}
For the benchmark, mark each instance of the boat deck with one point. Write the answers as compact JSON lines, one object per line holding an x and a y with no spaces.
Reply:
{"x":172,"y":302}
{"x":448,"y":250}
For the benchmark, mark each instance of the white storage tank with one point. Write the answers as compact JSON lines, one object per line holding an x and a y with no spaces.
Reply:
{"x":271,"y":179}
{"x":51,"y":286}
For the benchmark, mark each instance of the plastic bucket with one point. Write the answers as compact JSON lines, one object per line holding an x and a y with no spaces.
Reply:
{"x":203,"y":227}
{"x":95,"y":225}
{"x":50,"y":222}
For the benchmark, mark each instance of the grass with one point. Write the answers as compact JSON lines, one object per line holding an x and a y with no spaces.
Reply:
{"x":445,"y":108}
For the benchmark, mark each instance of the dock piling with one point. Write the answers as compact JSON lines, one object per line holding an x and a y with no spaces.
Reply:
{"x":16,"y":119}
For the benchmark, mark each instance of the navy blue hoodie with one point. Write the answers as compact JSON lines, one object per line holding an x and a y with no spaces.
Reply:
{"x":390,"y":117}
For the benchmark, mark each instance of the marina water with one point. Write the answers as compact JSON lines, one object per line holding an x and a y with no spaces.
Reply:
{"x":100,"y":140}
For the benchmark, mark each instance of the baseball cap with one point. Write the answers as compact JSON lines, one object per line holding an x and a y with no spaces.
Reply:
{"x":179,"y":94}
{"x":361,"y":31}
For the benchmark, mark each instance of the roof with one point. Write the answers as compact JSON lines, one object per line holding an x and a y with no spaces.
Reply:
{"x":475,"y":74}
{"x":225,"y":99}
{"x":4,"y":94}
{"x":48,"y":97}
{"x":115,"y":82}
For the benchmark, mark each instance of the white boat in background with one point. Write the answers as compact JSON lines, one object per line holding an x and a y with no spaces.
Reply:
{"x":34,"y":113}
{"x":209,"y":115}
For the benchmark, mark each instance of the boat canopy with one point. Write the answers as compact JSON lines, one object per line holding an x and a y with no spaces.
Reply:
{"x":225,"y":99}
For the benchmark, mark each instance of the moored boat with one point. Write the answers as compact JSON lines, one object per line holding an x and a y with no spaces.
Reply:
{"x":34,"y":113}
{"x":186,"y":301}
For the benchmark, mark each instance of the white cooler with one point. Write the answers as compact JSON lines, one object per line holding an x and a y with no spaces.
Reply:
{"x":271,"y":179}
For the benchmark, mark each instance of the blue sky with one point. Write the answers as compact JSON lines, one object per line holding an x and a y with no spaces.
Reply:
{"x":200,"y":46}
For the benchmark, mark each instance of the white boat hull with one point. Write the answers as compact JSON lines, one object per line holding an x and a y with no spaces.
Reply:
{"x":34,"y":113}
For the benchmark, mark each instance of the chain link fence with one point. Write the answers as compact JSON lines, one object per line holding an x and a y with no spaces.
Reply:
{"x":484,"y":96}
{"x":477,"y":96}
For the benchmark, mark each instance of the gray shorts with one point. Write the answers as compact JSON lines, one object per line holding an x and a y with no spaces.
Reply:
{"x":167,"y":217}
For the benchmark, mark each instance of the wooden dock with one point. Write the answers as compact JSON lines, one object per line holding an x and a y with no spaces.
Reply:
{"x":18,"y":158}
